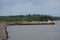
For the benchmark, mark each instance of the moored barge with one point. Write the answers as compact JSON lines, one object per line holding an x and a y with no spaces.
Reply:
{"x":33,"y":23}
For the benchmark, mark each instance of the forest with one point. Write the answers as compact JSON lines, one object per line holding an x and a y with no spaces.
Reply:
{"x":34,"y":17}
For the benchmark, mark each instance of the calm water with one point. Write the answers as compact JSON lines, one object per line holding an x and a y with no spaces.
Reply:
{"x":34,"y":32}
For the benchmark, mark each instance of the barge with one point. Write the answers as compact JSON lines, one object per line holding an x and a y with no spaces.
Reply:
{"x":32,"y":23}
{"x":49,"y":22}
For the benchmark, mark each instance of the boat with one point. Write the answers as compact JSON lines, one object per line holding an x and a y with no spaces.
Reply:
{"x":33,"y":23}
{"x":49,"y":22}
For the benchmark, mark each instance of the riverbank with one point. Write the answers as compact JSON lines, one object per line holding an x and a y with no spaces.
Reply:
{"x":3,"y":32}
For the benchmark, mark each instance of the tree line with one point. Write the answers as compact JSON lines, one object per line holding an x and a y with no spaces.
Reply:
{"x":34,"y":17}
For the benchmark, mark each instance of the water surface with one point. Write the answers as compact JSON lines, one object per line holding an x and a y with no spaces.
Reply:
{"x":34,"y":32}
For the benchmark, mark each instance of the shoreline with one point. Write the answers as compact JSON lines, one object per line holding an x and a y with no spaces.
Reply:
{"x":3,"y":31}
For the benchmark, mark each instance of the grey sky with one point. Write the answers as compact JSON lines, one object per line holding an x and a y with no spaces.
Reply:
{"x":23,"y":7}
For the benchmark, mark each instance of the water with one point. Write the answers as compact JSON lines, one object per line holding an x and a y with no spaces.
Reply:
{"x":34,"y":32}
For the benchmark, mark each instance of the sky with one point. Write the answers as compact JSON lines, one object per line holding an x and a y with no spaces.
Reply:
{"x":23,"y":7}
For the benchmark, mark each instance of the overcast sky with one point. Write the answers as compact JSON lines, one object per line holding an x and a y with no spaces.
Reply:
{"x":23,"y":7}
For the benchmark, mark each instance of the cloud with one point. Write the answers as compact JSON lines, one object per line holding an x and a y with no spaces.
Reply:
{"x":16,"y":7}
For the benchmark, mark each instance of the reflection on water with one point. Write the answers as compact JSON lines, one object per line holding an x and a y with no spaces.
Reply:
{"x":34,"y":32}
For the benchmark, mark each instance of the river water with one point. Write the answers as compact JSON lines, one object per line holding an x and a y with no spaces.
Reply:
{"x":34,"y":32}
